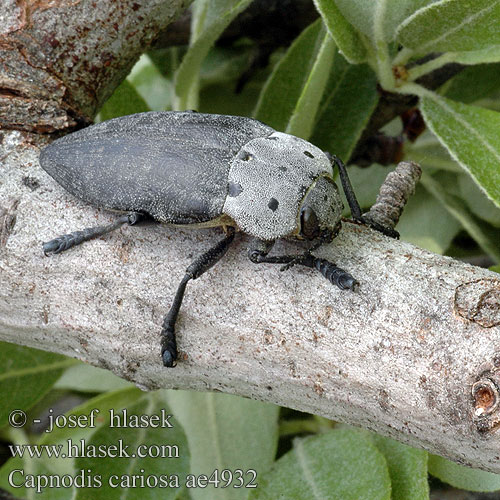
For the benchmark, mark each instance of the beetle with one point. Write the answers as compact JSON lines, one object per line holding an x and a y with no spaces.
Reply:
{"x":202,"y":170}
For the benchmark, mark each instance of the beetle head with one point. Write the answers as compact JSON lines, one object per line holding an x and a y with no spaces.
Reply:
{"x":320,"y":211}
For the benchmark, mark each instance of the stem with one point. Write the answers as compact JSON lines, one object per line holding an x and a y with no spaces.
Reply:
{"x":384,"y":68}
{"x":403,"y":56}
{"x":417,"y":71}
{"x":411,"y":88}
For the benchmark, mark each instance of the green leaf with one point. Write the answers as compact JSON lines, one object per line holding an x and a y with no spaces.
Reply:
{"x":341,"y":464}
{"x":452,"y":26}
{"x":473,"y":83}
{"x":167,"y":60}
{"x":470,"y":134}
{"x":407,"y":468}
{"x":427,"y":224}
{"x":87,"y":378}
{"x":484,"y":234}
{"x":290,"y":98}
{"x":223,"y":64}
{"x":462,"y":477}
{"x":346,"y":37}
{"x":124,"y":101}
{"x":479,"y":205}
{"x":427,"y":151}
{"x":378,"y":19}
{"x":226,"y":432}
{"x":496,"y":269}
{"x":157,"y":453}
{"x":39,"y":470}
{"x":25,"y":376}
{"x":488,"y":55}
{"x":301,"y":122}
{"x":348,"y":103}
{"x":210,"y":19}
{"x":101,"y":405}
{"x":222,"y":99}
{"x":60,"y":436}
{"x":151,"y":85}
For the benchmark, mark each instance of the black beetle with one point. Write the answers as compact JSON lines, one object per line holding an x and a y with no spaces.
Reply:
{"x":202,"y":170}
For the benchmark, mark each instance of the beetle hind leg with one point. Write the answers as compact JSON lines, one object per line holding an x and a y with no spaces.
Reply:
{"x":67,"y":241}
{"x":202,"y":264}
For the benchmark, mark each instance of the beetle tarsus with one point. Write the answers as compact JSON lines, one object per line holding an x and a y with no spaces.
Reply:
{"x":388,"y":231}
{"x":336,"y":275}
{"x":168,"y":346}
{"x":329,"y":270}
{"x":67,"y":241}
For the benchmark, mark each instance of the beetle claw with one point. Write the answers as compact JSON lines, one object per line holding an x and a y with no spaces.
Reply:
{"x":168,"y":347}
{"x":168,"y":359}
{"x":347,"y":282}
{"x":387,"y":231}
{"x":57,"y":245}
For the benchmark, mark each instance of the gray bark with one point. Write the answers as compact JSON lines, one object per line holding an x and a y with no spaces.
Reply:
{"x":61,"y":60}
{"x":414,"y":354}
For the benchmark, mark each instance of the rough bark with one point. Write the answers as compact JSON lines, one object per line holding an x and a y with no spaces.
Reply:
{"x":413,"y":355}
{"x":62,"y":59}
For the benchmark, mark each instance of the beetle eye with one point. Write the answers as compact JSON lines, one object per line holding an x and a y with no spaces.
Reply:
{"x":309,"y":224}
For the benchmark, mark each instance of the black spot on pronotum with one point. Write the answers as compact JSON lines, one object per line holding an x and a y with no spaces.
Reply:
{"x":273,"y":204}
{"x":234,"y":189}
{"x":308,"y":154}
{"x":282,"y":169}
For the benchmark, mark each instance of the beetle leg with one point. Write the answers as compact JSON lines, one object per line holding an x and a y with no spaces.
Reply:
{"x":331,"y":272}
{"x":203,"y":263}
{"x":353,"y":202}
{"x":258,"y":250}
{"x":66,"y":241}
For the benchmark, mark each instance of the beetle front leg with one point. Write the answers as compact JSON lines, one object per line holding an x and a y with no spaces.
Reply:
{"x":258,"y":250}
{"x":353,"y":202}
{"x":67,"y":241}
{"x":202,"y":264}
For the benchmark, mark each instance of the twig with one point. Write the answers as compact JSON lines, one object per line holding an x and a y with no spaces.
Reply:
{"x":394,"y":193}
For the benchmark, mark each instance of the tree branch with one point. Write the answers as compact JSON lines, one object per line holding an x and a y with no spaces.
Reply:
{"x":413,"y":355}
{"x":62,"y":60}
{"x":390,"y":106}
